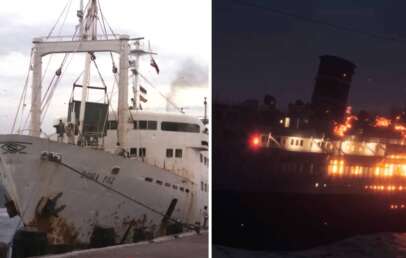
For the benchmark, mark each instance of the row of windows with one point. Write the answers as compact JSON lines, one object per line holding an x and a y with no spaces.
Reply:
{"x":180,"y":127}
{"x":153,"y":125}
{"x":159,"y":182}
{"x":145,"y":125}
{"x":204,"y":160}
{"x":298,"y":142}
{"x":203,"y":187}
{"x":140,"y":152}
{"x":178,"y":153}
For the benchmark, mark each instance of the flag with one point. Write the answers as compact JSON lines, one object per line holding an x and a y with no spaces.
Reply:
{"x":134,"y":71}
{"x":143,"y":90}
{"x":153,"y":64}
{"x":143,"y":99}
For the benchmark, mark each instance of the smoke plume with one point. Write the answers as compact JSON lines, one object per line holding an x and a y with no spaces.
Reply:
{"x":191,"y":74}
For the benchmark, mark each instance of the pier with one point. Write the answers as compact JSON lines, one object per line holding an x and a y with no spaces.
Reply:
{"x":180,"y":246}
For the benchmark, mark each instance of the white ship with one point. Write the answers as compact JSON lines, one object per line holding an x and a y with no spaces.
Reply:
{"x":129,"y":170}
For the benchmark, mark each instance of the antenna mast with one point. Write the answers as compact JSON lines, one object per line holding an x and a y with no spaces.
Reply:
{"x":205,"y":119}
{"x":136,"y":64}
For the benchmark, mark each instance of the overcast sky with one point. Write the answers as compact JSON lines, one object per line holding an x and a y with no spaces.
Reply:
{"x":179,"y":31}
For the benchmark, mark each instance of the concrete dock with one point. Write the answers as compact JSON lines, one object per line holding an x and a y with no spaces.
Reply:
{"x":182,"y":246}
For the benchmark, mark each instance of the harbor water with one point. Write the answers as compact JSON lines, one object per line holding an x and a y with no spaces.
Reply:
{"x":391,"y":245}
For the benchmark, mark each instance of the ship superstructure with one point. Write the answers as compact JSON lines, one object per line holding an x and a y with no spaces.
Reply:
{"x":117,"y":169}
{"x":313,"y":174}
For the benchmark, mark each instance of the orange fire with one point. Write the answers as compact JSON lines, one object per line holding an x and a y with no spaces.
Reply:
{"x":381,"y":121}
{"x":341,"y":129}
{"x":400,"y":128}
{"x":384,"y":122}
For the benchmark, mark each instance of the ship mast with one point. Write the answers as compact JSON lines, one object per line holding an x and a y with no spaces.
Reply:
{"x":88,"y":30}
{"x":88,"y":44}
{"x":136,"y":63}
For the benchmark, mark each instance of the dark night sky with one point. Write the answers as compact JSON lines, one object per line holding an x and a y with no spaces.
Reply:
{"x":256,"y":51}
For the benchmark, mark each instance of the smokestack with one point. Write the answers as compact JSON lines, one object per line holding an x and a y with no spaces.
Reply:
{"x":333,"y":82}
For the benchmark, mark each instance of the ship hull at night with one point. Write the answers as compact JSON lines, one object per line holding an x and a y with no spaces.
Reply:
{"x":284,"y":200}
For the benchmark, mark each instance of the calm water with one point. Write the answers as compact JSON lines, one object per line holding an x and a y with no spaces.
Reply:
{"x":372,"y":246}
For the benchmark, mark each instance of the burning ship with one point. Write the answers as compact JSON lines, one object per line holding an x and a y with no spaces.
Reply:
{"x":316,"y":174}
{"x":121,"y":173}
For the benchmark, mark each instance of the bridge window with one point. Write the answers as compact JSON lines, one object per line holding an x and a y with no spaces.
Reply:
{"x":142,"y":152}
{"x":169,"y":153}
{"x":180,"y":127}
{"x":142,"y":124}
{"x":133,"y":152}
{"x":112,"y":125}
{"x":178,"y":153}
{"x":152,"y":125}
{"x":145,"y":124}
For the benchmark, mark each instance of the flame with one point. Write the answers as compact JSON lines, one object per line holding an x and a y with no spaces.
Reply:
{"x":401,"y":129}
{"x":341,"y":129}
{"x":381,"y":121}
{"x":395,"y":124}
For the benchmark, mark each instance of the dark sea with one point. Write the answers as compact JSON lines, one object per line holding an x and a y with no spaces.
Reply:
{"x":372,"y":246}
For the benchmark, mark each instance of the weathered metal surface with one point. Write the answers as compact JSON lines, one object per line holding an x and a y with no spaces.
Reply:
{"x":58,"y":230}
{"x":67,"y":205}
